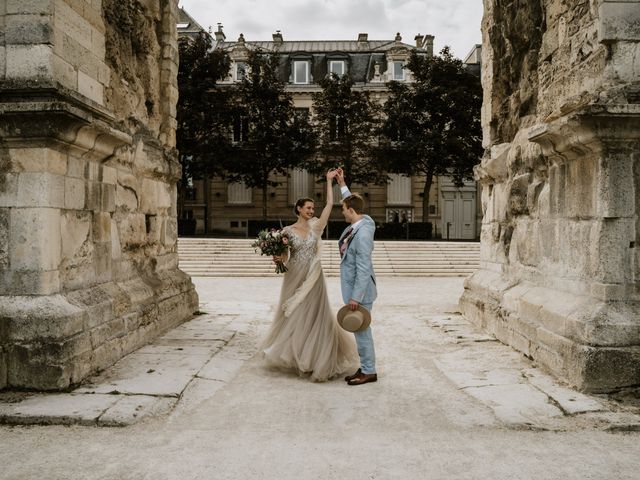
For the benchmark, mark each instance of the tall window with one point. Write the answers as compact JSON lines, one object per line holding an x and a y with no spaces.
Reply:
{"x":241,"y":71}
{"x":337,"y":67}
{"x":301,"y":71}
{"x":398,"y":70}
{"x":241,"y":129}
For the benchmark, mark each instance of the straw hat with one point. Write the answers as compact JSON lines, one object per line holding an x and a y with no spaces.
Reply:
{"x":354,"y":320}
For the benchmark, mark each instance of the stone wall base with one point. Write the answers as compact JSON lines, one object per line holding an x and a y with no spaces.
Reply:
{"x":594,"y":346}
{"x":53,"y":342}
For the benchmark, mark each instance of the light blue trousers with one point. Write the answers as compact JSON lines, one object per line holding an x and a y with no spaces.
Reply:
{"x":366,"y":351}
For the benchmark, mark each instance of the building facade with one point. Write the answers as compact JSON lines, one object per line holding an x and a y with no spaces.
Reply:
{"x":222,"y":208}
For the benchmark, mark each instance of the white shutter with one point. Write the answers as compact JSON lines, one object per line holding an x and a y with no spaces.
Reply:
{"x":399,"y":190}
{"x":238,"y":194}
{"x":300,"y":185}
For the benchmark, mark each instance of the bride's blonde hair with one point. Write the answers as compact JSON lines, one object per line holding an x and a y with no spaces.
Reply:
{"x":300,"y":203}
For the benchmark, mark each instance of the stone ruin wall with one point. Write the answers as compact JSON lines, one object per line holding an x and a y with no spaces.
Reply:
{"x":88,"y":171}
{"x":560,"y":271}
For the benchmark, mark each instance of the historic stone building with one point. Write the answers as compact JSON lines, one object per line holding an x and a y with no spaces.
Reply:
{"x":88,"y":169}
{"x":560,"y":263}
{"x":371,"y":63}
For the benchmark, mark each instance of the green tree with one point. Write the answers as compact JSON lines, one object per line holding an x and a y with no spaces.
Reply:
{"x":269,"y":138}
{"x":432,"y":125}
{"x":346,"y":123}
{"x":203,"y":111}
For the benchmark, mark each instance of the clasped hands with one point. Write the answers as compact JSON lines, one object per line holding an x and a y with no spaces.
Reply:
{"x":336,"y":173}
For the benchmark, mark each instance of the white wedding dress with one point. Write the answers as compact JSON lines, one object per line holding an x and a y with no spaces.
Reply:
{"x":305,"y":336}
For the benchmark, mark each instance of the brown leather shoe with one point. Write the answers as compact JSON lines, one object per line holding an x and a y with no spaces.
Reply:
{"x":363,"y":378}
{"x":351,"y":377}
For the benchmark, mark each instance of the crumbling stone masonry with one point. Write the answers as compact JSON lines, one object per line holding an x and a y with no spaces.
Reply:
{"x":560,"y":252}
{"x":88,"y":261}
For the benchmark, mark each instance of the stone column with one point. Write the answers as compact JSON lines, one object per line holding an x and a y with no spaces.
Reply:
{"x":560,"y":275}
{"x":88,"y":171}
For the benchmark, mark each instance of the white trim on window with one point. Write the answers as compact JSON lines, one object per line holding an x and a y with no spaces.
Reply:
{"x":338,"y":67}
{"x":398,"y":70}
{"x":301,"y":71}
{"x":240,"y":71}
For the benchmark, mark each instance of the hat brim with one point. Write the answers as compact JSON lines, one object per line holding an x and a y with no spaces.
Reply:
{"x":366,"y":318}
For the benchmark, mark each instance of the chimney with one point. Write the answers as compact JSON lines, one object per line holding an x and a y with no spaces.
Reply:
{"x":428,"y":44}
{"x":277,"y":37}
{"x":220,"y":36}
{"x":419,"y":39}
{"x":363,"y":37}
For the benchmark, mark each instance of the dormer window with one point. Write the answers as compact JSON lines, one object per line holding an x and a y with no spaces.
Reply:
{"x":398,"y":70}
{"x":338,"y":67}
{"x":301,"y":71}
{"x":241,"y":71}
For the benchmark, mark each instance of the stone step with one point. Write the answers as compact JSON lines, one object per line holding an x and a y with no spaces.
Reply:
{"x":210,"y":257}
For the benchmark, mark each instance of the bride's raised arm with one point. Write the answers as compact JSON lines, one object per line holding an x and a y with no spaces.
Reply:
{"x":326,"y":211}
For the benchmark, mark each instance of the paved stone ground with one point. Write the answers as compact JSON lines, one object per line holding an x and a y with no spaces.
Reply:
{"x":197,"y":403}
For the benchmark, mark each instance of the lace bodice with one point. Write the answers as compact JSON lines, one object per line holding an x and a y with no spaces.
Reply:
{"x":302,"y":250}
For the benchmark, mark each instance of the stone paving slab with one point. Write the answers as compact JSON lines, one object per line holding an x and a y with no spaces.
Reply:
{"x":146,"y":383}
{"x":148,"y":374}
{"x":520,"y":395}
{"x":58,"y":408}
{"x":130,"y":409}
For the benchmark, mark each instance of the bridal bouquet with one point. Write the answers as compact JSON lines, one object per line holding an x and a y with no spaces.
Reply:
{"x":272,"y":242}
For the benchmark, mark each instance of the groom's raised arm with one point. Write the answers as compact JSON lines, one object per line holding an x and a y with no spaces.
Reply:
{"x":344,"y":190}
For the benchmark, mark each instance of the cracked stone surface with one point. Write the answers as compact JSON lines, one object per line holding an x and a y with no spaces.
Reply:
{"x":451,"y":402}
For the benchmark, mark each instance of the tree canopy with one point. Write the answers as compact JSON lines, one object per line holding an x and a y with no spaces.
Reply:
{"x":432,"y":125}
{"x":346,"y":123}
{"x":269,"y":138}
{"x":203,"y":110}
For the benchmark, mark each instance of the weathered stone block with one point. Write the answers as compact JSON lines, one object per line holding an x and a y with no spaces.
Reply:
{"x":35,"y":242}
{"x":65,"y":73}
{"x":23,"y":282}
{"x":28,"y":29}
{"x":73,"y":24}
{"x":90,"y":88}
{"x":74,"y":191}
{"x":42,"y":7}
{"x":38,"y":160}
{"x":109,"y":175}
{"x":29,"y":61}
{"x":8,"y":189}
{"x":619,"y":20}
{"x":40,"y":190}
{"x":34,"y":319}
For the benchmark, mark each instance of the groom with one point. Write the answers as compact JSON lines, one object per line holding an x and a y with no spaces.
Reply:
{"x":357,"y":279}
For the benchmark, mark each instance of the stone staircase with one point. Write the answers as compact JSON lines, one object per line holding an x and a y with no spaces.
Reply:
{"x":214,"y":257}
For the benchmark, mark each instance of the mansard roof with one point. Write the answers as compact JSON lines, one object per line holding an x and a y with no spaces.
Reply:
{"x":317,"y":46}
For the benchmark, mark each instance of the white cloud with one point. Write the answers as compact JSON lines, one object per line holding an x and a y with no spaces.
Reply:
{"x":453,"y":22}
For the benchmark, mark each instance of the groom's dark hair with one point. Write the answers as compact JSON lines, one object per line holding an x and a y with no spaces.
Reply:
{"x":354,"y":201}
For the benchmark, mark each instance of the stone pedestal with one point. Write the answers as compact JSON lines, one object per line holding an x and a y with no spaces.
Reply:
{"x":88,"y":171}
{"x":560,"y":271}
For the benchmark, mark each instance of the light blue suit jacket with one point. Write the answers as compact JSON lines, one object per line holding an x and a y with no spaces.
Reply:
{"x":357,"y":278}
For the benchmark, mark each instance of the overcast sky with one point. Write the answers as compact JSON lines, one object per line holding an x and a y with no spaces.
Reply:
{"x":453,"y":22}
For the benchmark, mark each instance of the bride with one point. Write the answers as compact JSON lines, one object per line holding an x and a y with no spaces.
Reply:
{"x":305,"y":336}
